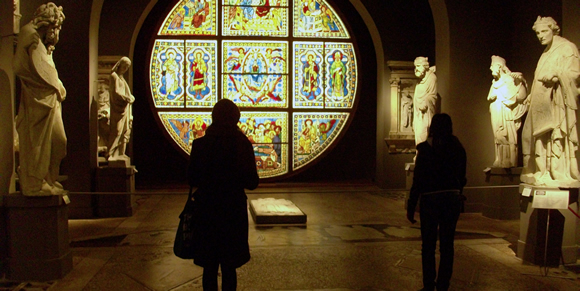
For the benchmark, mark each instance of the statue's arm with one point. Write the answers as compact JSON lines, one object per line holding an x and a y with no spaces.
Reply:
{"x":122,"y":90}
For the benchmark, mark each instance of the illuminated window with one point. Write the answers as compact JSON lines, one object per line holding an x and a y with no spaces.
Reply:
{"x":289,"y":65}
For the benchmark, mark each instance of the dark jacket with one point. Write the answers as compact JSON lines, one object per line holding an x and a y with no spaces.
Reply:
{"x":221,"y":165}
{"x":439,"y":167}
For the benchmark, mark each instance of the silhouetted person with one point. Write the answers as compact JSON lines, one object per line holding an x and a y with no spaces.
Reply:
{"x":439,"y":178}
{"x":221,"y":165}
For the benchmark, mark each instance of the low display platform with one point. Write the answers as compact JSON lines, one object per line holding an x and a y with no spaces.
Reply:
{"x":276,"y":211}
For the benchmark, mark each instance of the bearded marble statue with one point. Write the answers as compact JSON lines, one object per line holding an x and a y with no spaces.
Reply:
{"x":121,"y":118}
{"x":507,"y":94}
{"x":550,"y":137}
{"x":39,"y":122}
{"x":425,"y":99}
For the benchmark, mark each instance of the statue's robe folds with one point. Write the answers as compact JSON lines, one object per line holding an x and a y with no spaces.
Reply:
{"x":39,"y":122}
{"x":424,"y":105}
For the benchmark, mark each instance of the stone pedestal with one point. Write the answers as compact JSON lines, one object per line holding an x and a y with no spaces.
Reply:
{"x":501,"y":201}
{"x":561,"y":230}
{"x":115,"y":179}
{"x":276,"y":211}
{"x":36,"y":238}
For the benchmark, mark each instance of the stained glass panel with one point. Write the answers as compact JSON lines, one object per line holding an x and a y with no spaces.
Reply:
{"x":268,"y":132}
{"x":255,"y":18}
{"x":201,"y":73}
{"x":315,"y":18}
{"x":340,"y":84}
{"x":185,"y":127}
{"x":255,"y":57}
{"x":313,"y":133}
{"x":308,"y":74}
{"x":166,"y":73}
{"x":191,"y":17}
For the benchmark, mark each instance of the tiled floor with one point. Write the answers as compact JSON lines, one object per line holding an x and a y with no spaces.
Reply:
{"x":356,"y":238}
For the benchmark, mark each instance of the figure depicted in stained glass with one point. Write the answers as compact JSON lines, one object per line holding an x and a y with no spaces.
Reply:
{"x":169,"y":71}
{"x":199,"y":13}
{"x":307,"y":136}
{"x":274,"y":60}
{"x":198,"y":73}
{"x":198,"y":127}
{"x":337,"y":77}
{"x":182,"y":129}
{"x":310,"y":13}
{"x":310,"y":81}
{"x":236,"y":61}
{"x":177,"y":22}
{"x":324,"y":128}
{"x":328,"y":22}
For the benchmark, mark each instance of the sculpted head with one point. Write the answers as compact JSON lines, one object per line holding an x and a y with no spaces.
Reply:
{"x":546,"y":28}
{"x":122,"y":66}
{"x":48,"y":20}
{"x":498,"y":66}
{"x":421,"y":66}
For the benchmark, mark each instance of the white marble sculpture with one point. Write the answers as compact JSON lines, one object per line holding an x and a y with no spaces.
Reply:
{"x":425,"y":99}
{"x":39,"y":123}
{"x":507,"y":94}
{"x":550,"y":137}
{"x":121,"y":118}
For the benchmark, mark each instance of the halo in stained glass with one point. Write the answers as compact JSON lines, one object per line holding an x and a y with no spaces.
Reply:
{"x":191,"y":17}
{"x":201,"y":77}
{"x":313,"y":133}
{"x":315,"y":18}
{"x":166,"y":73}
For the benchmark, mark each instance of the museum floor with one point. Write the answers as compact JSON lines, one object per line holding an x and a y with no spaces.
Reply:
{"x":356,"y":238}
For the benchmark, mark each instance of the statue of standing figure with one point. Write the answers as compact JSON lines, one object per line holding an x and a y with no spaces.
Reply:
{"x":550,"y":137}
{"x":121,"y":118}
{"x":425,"y":99}
{"x":507,"y":94}
{"x":39,"y":122}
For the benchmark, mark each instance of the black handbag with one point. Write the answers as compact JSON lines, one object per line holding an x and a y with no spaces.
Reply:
{"x":183,"y":246}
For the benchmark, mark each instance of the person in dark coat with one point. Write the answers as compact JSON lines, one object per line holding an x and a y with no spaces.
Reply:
{"x":439,"y":178}
{"x":221,"y":165}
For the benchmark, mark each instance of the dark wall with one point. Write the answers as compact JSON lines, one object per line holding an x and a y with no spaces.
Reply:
{"x":72,"y":62}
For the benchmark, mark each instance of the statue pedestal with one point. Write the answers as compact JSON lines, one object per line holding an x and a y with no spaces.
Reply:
{"x":502,"y":202}
{"x":560,"y":224}
{"x":115,"y":179}
{"x":36,"y":237}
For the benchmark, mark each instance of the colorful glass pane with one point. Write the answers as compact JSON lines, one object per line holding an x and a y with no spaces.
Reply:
{"x":166,"y":73}
{"x":340,"y":75}
{"x":201,"y":73}
{"x":185,"y":127}
{"x":255,"y":18}
{"x":268,"y":133}
{"x":313,"y":133}
{"x":191,"y":17}
{"x":257,"y":73}
{"x":308,"y":74}
{"x":315,"y":18}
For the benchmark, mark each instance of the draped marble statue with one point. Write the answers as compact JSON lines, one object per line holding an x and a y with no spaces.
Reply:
{"x":425,"y":99}
{"x":121,"y":118}
{"x":550,"y":137}
{"x":507,"y":94}
{"x":39,"y":122}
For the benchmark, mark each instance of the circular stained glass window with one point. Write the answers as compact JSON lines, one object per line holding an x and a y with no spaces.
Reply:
{"x":290,"y":66}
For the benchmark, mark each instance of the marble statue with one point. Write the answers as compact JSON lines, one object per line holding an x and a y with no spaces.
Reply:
{"x":39,"y":122}
{"x":550,"y":137}
{"x":424,"y":100}
{"x":103,"y":109}
{"x":507,"y":94}
{"x":121,"y":118}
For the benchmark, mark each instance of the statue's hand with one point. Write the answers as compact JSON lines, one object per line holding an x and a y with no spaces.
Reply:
{"x":549,"y":80}
{"x":517,"y":76}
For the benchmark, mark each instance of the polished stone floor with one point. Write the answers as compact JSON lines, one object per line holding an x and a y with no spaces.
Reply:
{"x":356,"y":238}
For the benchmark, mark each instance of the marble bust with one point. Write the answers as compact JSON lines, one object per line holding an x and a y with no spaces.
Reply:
{"x":121,"y":118}
{"x":550,"y":136}
{"x":425,"y":98}
{"x":42,"y":138}
{"x":507,"y":95}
